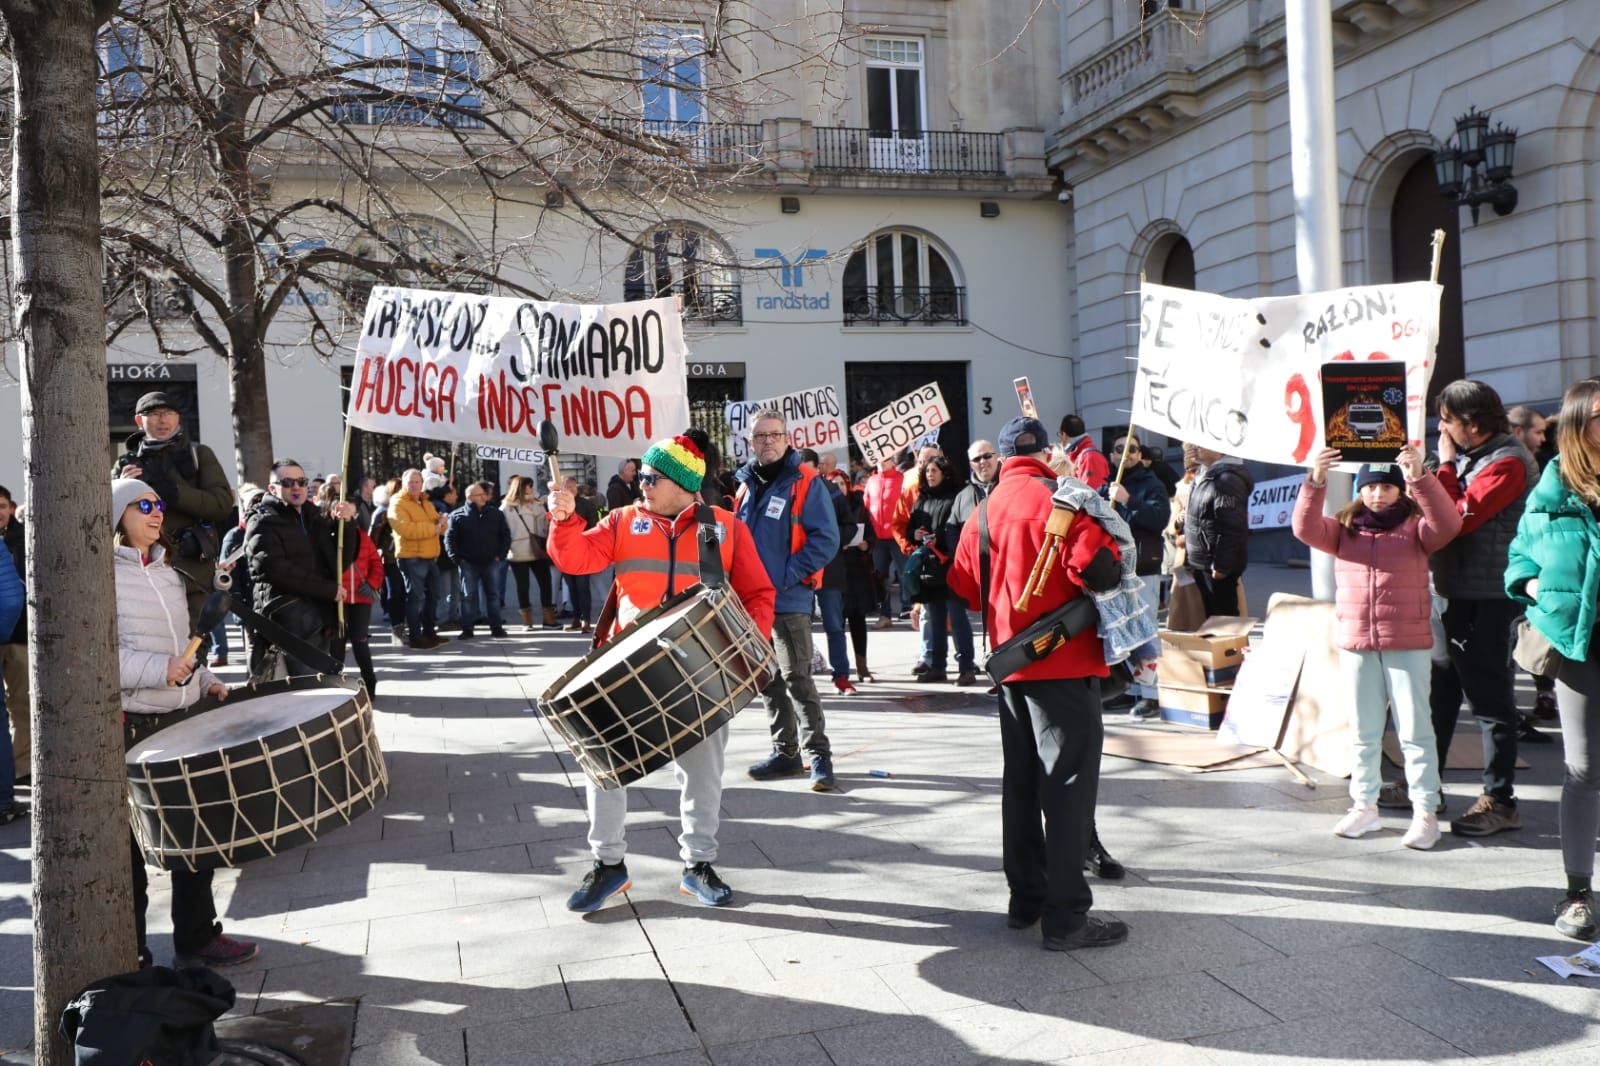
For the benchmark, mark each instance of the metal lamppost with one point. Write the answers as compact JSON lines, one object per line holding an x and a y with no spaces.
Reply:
{"x":1475,"y":168}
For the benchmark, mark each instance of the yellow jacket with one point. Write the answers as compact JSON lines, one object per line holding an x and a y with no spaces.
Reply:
{"x":415,"y":524}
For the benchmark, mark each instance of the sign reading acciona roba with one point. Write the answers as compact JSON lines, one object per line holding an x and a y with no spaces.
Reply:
{"x":489,"y":369}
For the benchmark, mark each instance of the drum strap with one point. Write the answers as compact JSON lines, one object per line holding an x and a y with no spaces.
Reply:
{"x":274,"y":633}
{"x":710,"y":547}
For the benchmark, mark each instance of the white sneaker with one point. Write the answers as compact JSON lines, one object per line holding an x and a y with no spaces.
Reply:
{"x":1424,"y":831}
{"x":1358,"y":822}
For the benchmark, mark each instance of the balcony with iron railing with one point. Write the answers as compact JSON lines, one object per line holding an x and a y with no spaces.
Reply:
{"x":906,"y":305}
{"x":713,"y":305}
{"x":847,"y":149}
{"x":459,"y":113}
{"x":720,"y":144}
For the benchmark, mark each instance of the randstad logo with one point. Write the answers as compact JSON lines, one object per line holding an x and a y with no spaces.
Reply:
{"x":792,"y":275}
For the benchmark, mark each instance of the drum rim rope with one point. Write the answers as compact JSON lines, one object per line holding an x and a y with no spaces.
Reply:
{"x":733,"y":625}
{"x":359,"y":712}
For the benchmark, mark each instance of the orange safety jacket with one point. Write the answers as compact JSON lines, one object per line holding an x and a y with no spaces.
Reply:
{"x":797,"y":505}
{"x":653,"y":557}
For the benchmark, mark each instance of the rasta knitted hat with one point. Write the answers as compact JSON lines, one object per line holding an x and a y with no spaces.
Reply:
{"x":680,"y":459}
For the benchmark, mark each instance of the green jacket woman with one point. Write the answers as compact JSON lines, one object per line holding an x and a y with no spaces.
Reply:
{"x":1558,"y":542}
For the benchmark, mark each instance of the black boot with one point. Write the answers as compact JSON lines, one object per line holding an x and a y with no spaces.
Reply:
{"x":1100,"y":863}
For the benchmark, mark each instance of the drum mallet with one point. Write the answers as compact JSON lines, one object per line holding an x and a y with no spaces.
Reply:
{"x":1055,"y":533}
{"x":550,"y":444}
{"x":214,"y":610}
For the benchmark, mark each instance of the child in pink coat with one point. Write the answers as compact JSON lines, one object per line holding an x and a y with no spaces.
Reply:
{"x":1381,"y":542}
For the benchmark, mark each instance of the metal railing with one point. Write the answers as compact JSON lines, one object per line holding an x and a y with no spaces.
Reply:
{"x":929,"y":152}
{"x":713,"y":304}
{"x":712,"y":143}
{"x":906,"y":305}
{"x":458,"y":115}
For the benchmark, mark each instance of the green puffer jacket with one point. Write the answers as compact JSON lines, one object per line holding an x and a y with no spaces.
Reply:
{"x":1558,"y":542}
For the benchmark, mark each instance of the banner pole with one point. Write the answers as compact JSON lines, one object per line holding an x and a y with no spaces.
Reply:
{"x":1127,"y":444}
{"x":338,"y":550}
{"x":1438,"y":253}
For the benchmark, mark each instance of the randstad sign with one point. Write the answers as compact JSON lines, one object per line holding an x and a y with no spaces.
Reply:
{"x":792,"y":276}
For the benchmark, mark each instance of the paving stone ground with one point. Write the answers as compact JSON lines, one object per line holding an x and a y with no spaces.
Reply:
{"x":868,"y":924}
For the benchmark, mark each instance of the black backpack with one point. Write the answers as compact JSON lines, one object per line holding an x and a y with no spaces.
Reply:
{"x":158,"y":1016}
{"x":923,"y":580}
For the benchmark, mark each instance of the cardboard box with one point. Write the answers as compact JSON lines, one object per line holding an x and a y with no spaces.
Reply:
{"x":1209,"y":656}
{"x":1197,"y":706}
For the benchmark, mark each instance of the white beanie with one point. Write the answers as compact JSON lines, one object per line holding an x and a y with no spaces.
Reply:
{"x":124,"y":490}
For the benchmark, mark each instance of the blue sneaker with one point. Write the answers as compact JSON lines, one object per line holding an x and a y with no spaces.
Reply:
{"x":822,"y":773}
{"x":599,"y":885}
{"x":702,"y":882}
{"x":778,"y":765}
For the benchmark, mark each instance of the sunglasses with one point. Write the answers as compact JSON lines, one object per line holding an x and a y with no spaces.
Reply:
{"x":984,"y":458}
{"x":293,"y":482}
{"x":147,"y":506}
{"x":651,"y":479}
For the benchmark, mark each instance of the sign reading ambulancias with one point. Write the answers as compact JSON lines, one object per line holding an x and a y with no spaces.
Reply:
{"x":489,"y":369}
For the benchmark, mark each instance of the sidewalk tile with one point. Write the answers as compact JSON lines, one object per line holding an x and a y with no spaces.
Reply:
{"x":508,"y":918}
{"x":963,"y":977}
{"x":802,"y":1050}
{"x":578,"y":1038}
{"x":1176,"y":1007}
{"x":1304,"y":986}
{"x":405,"y":1049}
{"x":724,"y":1015}
{"x":1372,"y":1036}
{"x":417,"y":1008}
{"x":621,"y":979}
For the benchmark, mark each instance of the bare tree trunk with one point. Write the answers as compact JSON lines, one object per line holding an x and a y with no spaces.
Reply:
{"x":247,"y":357}
{"x":82,"y":909}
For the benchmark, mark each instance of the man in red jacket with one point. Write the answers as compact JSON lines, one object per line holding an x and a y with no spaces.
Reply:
{"x":1050,"y":730}
{"x":1089,"y":463}
{"x":882,"y":493}
{"x":654,"y":550}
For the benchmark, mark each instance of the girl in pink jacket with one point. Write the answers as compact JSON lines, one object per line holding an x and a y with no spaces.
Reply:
{"x":1381,"y":542}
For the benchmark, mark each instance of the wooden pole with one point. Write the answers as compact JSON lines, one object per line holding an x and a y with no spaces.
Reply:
{"x":1438,"y":253}
{"x":338,"y":539}
{"x":1127,"y":444}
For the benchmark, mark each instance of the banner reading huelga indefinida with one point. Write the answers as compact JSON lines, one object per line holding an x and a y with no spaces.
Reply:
{"x":489,"y":369}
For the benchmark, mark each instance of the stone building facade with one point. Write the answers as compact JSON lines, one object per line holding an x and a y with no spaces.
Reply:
{"x":1174,"y":139}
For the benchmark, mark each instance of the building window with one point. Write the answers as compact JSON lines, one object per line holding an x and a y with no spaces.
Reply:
{"x":896,"y":113}
{"x":672,"y":74}
{"x":433,"y":79}
{"x":134,"y":291}
{"x":901,"y":277}
{"x":1176,"y":267}
{"x":425,"y":253}
{"x":118,"y":51}
{"x":682,"y":259}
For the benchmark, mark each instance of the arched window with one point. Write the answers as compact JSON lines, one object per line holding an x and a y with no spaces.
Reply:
{"x":899,"y":277}
{"x":1417,"y":211}
{"x":682,"y":259}
{"x":427,"y":253}
{"x":1173,"y":263}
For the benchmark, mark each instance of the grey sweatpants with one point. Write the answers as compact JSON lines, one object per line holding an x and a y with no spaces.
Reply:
{"x":1578,"y":702}
{"x":699,"y":775}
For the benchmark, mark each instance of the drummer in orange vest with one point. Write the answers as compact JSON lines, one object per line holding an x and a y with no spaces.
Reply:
{"x":650,"y":544}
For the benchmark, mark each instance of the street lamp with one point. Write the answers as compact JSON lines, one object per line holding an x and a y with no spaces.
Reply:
{"x":1476,"y":146}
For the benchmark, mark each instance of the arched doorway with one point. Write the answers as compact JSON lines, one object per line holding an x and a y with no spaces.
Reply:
{"x":1417,"y":211}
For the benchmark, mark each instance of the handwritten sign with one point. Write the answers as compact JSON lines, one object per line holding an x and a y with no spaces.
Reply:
{"x":1239,"y":376}
{"x":896,"y":427}
{"x":489,"y":369}
{"x":813,"y":416}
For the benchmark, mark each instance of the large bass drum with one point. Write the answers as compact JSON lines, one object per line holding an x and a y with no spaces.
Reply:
{"x":677,"y":675}
{"x":276,"y":766}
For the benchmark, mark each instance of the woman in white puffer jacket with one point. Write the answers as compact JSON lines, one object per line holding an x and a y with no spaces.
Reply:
{"x":157,"y":679}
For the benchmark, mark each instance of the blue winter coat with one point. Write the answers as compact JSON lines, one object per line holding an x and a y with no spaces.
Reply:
{"x":765,"y":509}
{"x":12,"y":596}
{"x":477,"y":535}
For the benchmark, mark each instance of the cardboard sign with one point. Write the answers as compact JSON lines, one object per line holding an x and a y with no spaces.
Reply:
{"x":813,"y":416}
{"x":511,"y":455}
{"x":1363,"y":408}
{"x":489,"y":369}
{"x":1025,"y":397}
{"x":901,"y":424}
{"x":1239,"y":376}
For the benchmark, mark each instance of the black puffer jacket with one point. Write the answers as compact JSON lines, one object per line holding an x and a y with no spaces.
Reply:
{"x":292,"y":555}
{"x":1216,"y":527}
{"x":851,"y":570}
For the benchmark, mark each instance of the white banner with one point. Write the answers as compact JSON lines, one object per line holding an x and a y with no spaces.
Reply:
{"x":1241,"y":376}
{"x":1272,"y":502}
{"x":814,"y":418}
{"x":489,"y":369}
{"x":901,"y":424}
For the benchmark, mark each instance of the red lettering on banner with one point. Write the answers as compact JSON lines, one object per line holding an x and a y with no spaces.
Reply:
{"x":371,"y":387}
{"x":400,"y":370}
{"x":1297,"y":402}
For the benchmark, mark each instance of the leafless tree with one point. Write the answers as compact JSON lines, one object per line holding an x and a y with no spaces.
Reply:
{"x":265,"y":162}
{"x":81,"y":887}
